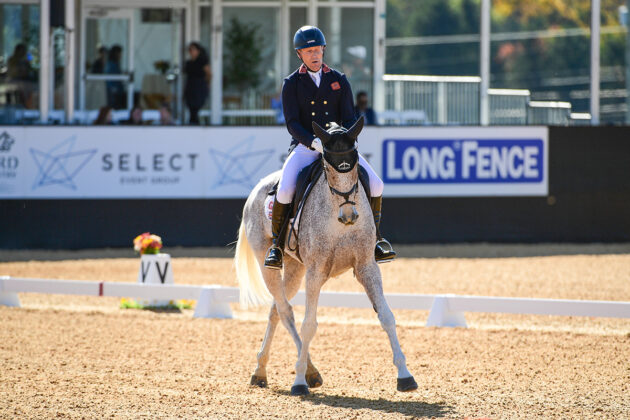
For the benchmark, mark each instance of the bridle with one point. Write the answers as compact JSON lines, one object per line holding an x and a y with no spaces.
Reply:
{"x":346,"y":196}
{"x":352,"y":191}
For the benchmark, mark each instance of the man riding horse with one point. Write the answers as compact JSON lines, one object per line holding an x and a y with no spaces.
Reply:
{"x":315,"y":92}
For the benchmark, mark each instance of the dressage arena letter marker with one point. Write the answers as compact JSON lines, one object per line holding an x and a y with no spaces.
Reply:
{"x":161,"y":274}
{"x":143,"y":271}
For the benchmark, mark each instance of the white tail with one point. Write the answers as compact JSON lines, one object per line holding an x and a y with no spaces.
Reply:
{"x":253,"y":291}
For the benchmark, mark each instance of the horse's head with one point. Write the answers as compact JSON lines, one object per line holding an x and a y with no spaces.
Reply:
{"x":340,"y":165}
{"x":340,"y":149}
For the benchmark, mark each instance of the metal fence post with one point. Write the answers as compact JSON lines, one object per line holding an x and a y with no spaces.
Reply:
{"x":442,"y":104}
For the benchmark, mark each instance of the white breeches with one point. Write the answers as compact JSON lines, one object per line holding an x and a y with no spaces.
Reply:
{"x":300,"y":158}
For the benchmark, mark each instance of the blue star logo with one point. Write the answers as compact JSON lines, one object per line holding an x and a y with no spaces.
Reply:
{"x":240,"y":164}
{"x":60,"y":164}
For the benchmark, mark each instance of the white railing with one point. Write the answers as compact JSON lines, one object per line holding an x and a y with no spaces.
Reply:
{"x":508,"y":106}
{"x":453,"y":100}
{"x":548,"y":113}
{"x":409,"y":100}
{"x":213,"y":301}
{"x":445,"y":100}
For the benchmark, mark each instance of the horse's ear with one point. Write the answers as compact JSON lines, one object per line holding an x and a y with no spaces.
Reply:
{"x":353,"y":132}
{"x":321,"y":133}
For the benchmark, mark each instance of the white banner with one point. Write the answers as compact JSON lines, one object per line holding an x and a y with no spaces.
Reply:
{"x":226,"y":162}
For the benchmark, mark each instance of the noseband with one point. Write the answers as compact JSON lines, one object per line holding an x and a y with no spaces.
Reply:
{"x":345,"y":195}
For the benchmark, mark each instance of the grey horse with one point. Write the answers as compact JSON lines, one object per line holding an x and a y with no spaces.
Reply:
{"x":336,"y":233}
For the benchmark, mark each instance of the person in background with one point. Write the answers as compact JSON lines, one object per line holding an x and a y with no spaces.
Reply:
{"x":166,"y":116}
{"x":363,"y":109}
{"x":98,"y":66}
{"x":115,"y":88}
{"x":276,"y":105}
{"x":20,"y":73}
{"x":18,"y":65}
{"x":198,"y":75}
{"x":356,"y":70}
{"x":104,"y":116}
{"x":135,"y":116}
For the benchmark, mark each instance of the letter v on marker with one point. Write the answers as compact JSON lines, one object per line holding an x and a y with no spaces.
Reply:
{"x":162,"y":275}
{"x":145,"y":272}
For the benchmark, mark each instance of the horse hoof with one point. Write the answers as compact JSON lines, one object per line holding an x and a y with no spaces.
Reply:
{"x":260,"y":381}
{"x":299,"y":390}
{"x":406,"y":384}
{"x":314,"y":380}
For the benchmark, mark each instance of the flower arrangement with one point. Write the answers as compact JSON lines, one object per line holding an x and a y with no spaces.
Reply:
{"x":147,"y":243}
{"x":128,"y":303}
{"x":162,"y":66}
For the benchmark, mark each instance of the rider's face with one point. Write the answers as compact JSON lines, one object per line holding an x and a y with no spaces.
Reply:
{"x":312,"y":57}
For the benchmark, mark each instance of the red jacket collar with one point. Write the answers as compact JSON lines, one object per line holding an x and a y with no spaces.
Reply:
{"x":325,"y":68}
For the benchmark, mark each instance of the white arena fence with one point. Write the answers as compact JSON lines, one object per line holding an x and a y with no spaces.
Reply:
{"x":213,"y":301}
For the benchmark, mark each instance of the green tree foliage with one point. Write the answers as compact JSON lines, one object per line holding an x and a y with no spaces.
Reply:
{"x":243,"y":55}
{"x":408,"y":18}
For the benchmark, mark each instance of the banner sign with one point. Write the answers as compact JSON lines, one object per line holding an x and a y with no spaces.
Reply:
{"x":467,"y":162}
{"x":227,"y":162}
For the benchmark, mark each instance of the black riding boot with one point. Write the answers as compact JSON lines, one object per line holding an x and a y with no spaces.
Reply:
{"x":383,"y":251}
{"x":274,"y":255}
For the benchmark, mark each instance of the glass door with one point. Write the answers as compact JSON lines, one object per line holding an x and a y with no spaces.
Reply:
{"x":107,"y":59}
{"x":132,"y":56}
{"x":19,"y":59}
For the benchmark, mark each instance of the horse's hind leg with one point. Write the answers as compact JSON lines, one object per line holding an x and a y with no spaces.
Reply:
{"x":309,"y":327}
{"x":259,"y":378}
{"x":283,"y":307}
{"x":370,"y":277}
{"x":293,"y":273}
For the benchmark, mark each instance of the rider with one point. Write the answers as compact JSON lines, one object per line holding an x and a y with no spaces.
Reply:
{"x":315,"y":92}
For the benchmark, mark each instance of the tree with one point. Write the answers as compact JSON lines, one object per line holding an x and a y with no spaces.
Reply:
{"x":243,"y":46}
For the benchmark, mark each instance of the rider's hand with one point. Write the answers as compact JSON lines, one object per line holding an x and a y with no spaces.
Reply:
{"x":317,"y":145}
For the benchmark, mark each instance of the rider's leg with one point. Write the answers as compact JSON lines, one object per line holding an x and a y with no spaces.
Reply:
{"x":299,"y":158}
{"x":383,"y":251}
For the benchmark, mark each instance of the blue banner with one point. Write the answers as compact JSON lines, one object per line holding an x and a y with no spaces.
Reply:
{"x":469,"y":161}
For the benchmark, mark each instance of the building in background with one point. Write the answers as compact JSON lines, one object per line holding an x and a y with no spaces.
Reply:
{"x":132,"y":52}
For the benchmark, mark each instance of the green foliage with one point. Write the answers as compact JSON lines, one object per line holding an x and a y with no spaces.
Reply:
{"x":126,"y":303}
{"x":412,"y":18}
{"x":408,"y":18}
{"x":243,"y":46}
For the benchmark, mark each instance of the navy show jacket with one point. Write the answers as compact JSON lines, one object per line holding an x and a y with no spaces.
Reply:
{"x":303,"y":102}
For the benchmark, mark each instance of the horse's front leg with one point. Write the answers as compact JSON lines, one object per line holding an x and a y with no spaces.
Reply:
{"x":370,"y":277}
{"x":313,"y":285}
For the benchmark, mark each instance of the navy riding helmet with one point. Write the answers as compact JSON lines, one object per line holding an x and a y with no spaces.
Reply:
{"x":308,"y":36}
